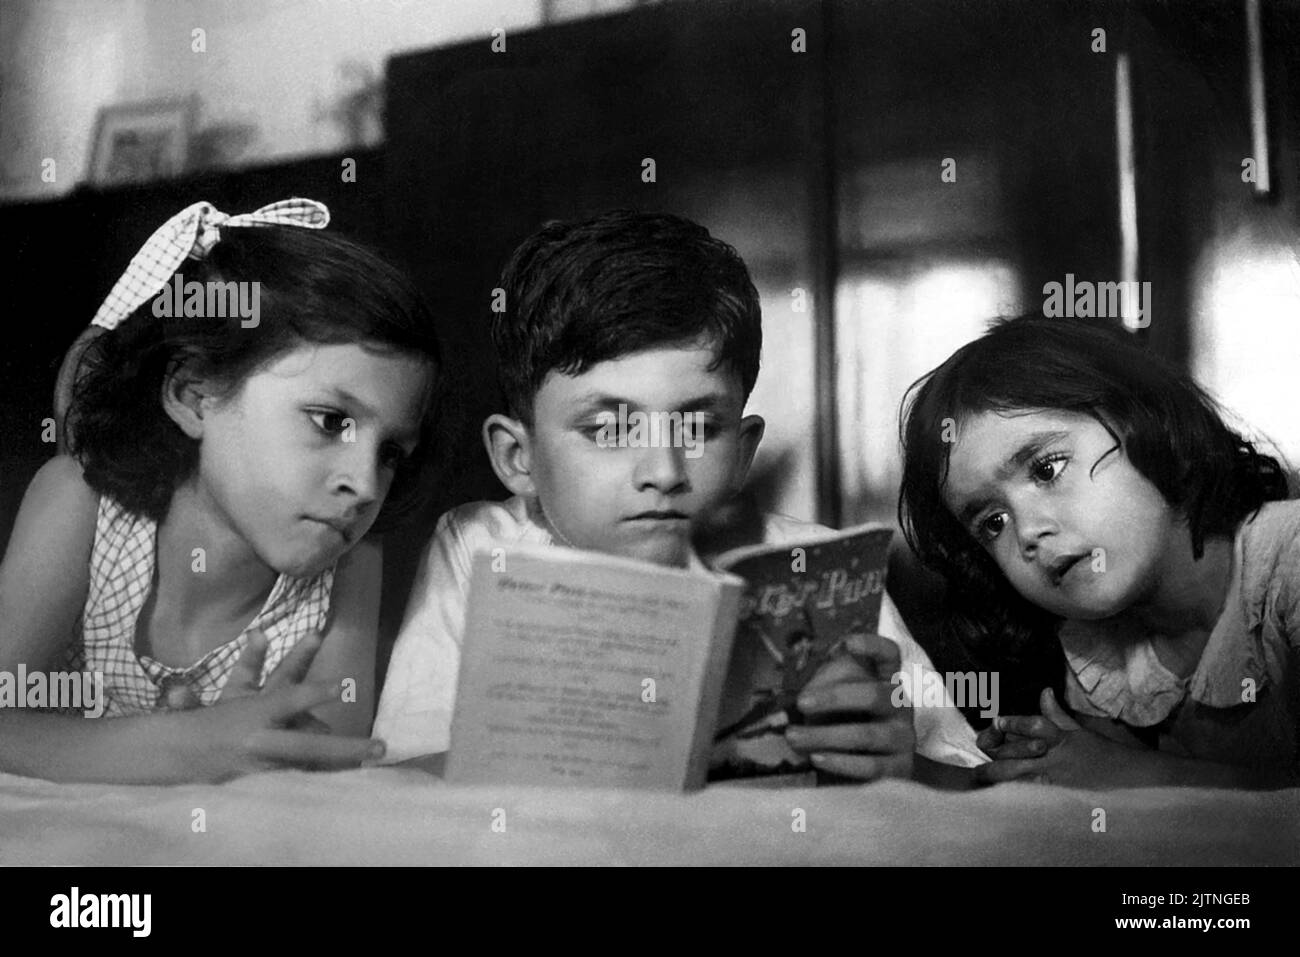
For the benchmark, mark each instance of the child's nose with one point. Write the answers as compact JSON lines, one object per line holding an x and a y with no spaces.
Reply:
{"x":357,"y":473}
{"x":662,"y":468}
{"x":1032,"y":526}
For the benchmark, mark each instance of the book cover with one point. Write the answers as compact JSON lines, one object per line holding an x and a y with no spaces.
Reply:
{"x":589,"y":670}
{"x":801,"y":601}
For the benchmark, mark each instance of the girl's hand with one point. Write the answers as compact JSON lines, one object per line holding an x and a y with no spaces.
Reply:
{"x":1056,"y":749}
{"x":1027,"y":736}
{"x":854,"y":730}
{"x":292,"y":670}
{"x":1082,"y":758}
{"x":250,"y":730}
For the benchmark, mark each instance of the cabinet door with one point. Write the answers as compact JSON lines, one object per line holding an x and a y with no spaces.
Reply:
{"x":975,"y":161}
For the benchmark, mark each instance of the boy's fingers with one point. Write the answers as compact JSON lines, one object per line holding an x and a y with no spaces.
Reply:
{"x":293,"y":669}
{"x":879,"y":737}
{"x":876,"y":653}
{"x":990,"y":738}
{"x":1055,"y":713}
{"x":839,"y":669}
{"x":247,"y":671}
{"x":863,"y":767}
{"x":855,"y":697}
{"x":319,"y":751}
{"x":863,"y":656}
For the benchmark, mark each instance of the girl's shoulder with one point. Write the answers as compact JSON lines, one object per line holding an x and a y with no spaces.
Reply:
{"x":67,"y":523}
{"x":62,"y":476}
{"x":1277,"y":515}
{"x":1269,"y":543}
{"x":60,"y":501}
{"x":45,"y":573}
{"x":1271,"y":536}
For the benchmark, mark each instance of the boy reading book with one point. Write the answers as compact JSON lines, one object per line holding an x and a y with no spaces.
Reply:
{"x":612,"y":322}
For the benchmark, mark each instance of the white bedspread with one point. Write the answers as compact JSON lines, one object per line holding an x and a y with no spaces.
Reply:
{"x":403,"y":816}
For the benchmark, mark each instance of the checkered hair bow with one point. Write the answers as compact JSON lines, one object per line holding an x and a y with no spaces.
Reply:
{"x":190,"y":234}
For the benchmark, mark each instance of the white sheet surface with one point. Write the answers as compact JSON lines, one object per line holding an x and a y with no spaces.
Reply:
{"x":404,"y":816}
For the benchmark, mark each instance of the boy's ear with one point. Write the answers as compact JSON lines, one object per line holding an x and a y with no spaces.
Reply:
{"x":183,"y":401}
{"x":751,"y":433}
{"x":509,"y":448}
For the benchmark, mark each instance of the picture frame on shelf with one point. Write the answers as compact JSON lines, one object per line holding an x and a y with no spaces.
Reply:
{"x":141,"y":142}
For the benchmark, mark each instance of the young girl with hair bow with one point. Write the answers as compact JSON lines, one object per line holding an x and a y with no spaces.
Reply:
{"x":205,"y":549}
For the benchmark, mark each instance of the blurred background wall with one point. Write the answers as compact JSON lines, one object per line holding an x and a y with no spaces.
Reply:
{"x":280,"y":68}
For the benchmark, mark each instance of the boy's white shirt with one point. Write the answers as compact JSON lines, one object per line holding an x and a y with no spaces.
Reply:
{"x":419,"y":691}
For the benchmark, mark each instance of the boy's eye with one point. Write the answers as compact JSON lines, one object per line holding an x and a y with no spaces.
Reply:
{"x":330,"y":421}
{"x":599,"y":435}
{"x":602,"y":430}
{"x":607,"y":432}
{"x":1048,"y":468}
{"x":699,"y":428}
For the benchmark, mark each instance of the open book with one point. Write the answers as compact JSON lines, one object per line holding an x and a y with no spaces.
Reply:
{"x":591,"y":670}
{"x":586,"y":669}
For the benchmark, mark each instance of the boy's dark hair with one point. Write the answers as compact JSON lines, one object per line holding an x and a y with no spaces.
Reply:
{"x":1168,"y":427}
{"x":582,"y":292}
{"x":315,"y":287}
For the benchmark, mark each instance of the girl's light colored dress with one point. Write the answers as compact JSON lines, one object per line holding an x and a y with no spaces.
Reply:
{"x":122,"y":566}
{"x":1241,"y":705}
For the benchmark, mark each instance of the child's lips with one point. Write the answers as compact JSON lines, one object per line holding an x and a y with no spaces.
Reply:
{"x":1062,"y":566}
{"x":344,"y":529}
{"x":660,"y":517}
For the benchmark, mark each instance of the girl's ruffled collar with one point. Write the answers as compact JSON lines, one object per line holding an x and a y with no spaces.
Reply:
{"x":1116,"y":665}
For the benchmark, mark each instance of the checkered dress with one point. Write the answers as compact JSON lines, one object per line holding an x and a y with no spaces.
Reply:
{"x":121,"y":578}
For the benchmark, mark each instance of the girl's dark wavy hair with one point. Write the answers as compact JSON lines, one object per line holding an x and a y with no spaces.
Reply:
{"x":1168,"y":427}
{"x":315,"y":287}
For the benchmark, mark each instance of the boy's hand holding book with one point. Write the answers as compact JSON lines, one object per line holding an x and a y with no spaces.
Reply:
{"x":582,"y":668}
{"x":852,"y":729}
